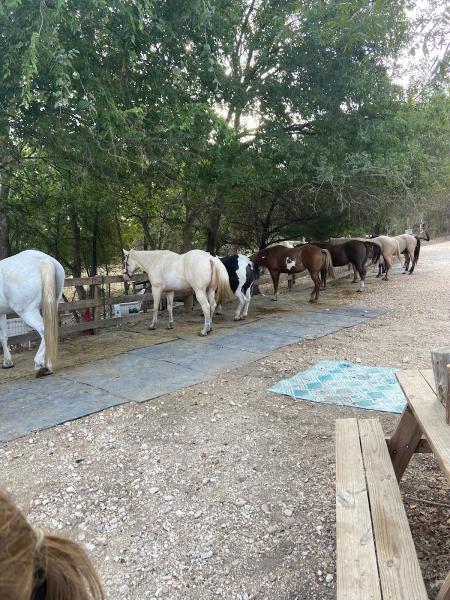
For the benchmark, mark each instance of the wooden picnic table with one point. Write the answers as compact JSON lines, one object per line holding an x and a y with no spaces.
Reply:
{"x":422,"y":427}
{"x":376,"y":556}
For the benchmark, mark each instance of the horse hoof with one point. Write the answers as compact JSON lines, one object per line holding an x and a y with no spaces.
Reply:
{"x":151,"y":327}
{"x":8,"y":365}
{"x":238,"y":318}
{"x":170,"y":326}
{"x":203,"y":333}
{"x":359,"y":291}
{"x":355,"y":281}
{"x":43,"y":372}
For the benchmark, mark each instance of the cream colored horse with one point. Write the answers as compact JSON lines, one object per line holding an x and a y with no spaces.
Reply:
{"x":408,"y":245}
{"x":170,"y":272}
{"x":389,"y":248}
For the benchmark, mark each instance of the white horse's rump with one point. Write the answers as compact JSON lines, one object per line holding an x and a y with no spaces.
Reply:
{"x":31,"y":285}
{"x":170,"y":272}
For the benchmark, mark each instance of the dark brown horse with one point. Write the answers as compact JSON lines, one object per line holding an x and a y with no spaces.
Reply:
{"x":354,"y":252}
{"x":279,"y":259}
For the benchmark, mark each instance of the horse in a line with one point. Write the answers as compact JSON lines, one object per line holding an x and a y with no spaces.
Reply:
{"x":31,"y":285}
{"x":242,"y":272}
{"x":279,"y":259}
{"x":390,"y":249}
{"x":353,"y":252}
{"x":169,"y":272}
{"x":414,"y":258}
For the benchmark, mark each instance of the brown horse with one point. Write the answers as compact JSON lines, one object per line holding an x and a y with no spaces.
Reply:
{"x":279,"y":259}
{"x":354,"y":252}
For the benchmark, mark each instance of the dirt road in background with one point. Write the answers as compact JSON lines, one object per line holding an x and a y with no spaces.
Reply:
{"x":223,"y":490}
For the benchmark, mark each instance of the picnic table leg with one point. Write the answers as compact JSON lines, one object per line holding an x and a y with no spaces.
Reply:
{"x":444,"y":592}
{"x":404,"y":442}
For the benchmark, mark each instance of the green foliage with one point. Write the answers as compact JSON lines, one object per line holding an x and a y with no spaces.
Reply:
{"x":204,"y":123}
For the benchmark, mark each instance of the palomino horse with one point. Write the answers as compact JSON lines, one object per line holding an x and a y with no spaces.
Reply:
{"x":354,"y":252}
{"x":170,"y":272}
{"x":242,"y":272}
{"x":32,"y":283}
{"x":423,"y":235}
{"x":278,"y":259}
{"x":389,"y":248}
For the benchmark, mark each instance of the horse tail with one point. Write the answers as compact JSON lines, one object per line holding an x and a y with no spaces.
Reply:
{"x":329,"y":264}
{"x":397,"y":251}
{"x":417,"y":250}
{"x":255,"y":269}
{"x":221,"y":281}
{"x":49,"y":309}
{"x":373,"y":252}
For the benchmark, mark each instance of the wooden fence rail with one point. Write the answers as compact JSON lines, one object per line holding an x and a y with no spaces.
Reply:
{"x":97,"y":302}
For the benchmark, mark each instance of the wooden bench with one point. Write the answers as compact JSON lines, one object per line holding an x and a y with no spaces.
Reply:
{"x":376,"y":557}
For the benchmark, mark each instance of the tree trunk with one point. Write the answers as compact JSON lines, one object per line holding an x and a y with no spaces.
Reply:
{"x":4,"y":225}
{"x":187,"y":226}
{"x":215,"y":217}
{"x":76,"y":251}
{"x":94,"y":256}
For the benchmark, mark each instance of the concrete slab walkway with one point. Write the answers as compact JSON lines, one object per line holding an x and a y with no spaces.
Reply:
{"x":145,"y":373}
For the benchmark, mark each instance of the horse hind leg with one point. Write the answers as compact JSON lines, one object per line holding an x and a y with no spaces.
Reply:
{"x":7,"y":359}
{"x":316,"y":291}
{"x":169,"y":297}
{"x":211,"y":296}
{"x":33,"y":318}
{"x":206,"y":308}
{"x":248,"y":295}
{"x":241,"y":304}
{"x":413,"y":263}
{"x":362,"y":275}
{"x":156,"y":295}
{"x":276,"y":279}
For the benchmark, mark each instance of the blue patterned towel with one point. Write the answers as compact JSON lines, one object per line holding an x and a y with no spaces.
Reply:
{"x":340,"y":382}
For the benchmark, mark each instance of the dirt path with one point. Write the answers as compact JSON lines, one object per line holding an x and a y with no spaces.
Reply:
{"x":223,"y":490}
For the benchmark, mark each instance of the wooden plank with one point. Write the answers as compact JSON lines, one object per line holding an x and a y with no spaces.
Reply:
{"x":398,"y":565}
{"x":428,"y":375}
{"x":429,"y":414}
{"x":423,"y":447}
{"x":444,"y":592}
{"x":107,"y":301}
{"x":404,"y":442}
{"x":100,"y":279}
{"x":77,"y":327}
{"x":357,"y":572}
{"x":23,"y":338}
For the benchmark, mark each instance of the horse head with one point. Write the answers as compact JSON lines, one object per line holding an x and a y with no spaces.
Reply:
{"x":424,"y":235}
{"x":129,"y":265}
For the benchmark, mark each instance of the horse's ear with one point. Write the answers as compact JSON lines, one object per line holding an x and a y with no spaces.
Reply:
{"x":125,"y":252}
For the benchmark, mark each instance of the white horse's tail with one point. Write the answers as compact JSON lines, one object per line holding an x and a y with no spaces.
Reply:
{"x":221,"y":281}
{"x":49,"y":310}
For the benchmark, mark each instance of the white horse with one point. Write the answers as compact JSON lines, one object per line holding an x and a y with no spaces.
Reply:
{"x":31,"y":285}
{"x":170,"y":272}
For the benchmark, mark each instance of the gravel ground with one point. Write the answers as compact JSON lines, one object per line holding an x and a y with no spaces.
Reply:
{"x":223,"y":490}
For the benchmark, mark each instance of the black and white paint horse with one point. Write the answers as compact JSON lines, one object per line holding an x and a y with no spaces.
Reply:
{"x":242,"y":272}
